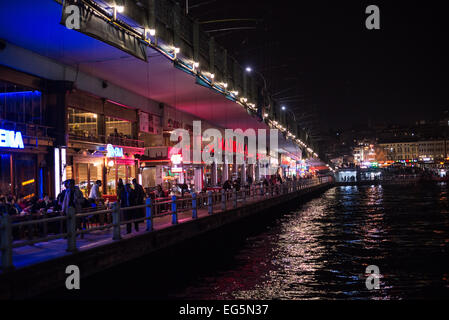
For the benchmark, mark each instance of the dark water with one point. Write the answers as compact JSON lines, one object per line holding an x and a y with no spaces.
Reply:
{"x":316,"y":250}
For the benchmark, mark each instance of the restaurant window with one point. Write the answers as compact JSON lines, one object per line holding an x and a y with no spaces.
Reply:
{"x":110,"y":178}
{"x":20,"y":104}
{"x":87,"y":175}
{"x":83,"y":124}
{"x":83,"y":178}
{"x":25,"y":180}
{"x":116,"y":172}
{"x":118,"y":131}
{"x":5,"y":176}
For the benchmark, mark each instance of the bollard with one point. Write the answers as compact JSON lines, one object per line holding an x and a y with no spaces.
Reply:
{"x":71,"y":230}
{"x":235,"y":198}
{"x":174,"y":214}
{"x":116,"y":221}
{"x":6,"y":242}
{"x":223,"y":199}
{"x":194,"y":206}
{"x":210,"y":203}
{"x":149,"y":216}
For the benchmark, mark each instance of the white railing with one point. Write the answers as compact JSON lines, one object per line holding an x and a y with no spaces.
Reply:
{"x":74,"y":224}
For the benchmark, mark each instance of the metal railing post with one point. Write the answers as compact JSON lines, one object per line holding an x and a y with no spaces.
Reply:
{"x":210,"y":203}
{"x":149,"y":215}
{"x":116,"y":221}
{"x":223,"y":199}
{"x":174,"y":213}
{"x":6,"y":242}
{"x":71,"y":230}
{"x":235,"y":198}
{"x":194,"y":206}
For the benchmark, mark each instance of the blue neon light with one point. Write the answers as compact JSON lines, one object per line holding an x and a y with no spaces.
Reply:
{"x":11,"y":139}
{"x":41,"y":182}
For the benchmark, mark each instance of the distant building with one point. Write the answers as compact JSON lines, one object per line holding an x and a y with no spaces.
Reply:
{"x":364,"y":152}
{"x":424,"y":151}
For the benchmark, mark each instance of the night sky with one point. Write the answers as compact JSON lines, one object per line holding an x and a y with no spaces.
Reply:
{"x":347,"y":74}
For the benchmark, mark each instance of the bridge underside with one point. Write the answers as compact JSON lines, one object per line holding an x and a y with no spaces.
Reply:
{"x":36,"y":26}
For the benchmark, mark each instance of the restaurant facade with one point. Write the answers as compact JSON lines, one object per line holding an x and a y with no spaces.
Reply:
{"x":26,"y":137}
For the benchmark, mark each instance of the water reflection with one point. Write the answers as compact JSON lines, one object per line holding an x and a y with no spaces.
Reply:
{"x":322,"y":249}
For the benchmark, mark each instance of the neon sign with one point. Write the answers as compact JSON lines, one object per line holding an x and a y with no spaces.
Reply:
{"x":176,"y":159}
{"x":114,"y":152}
{"x":11,"y":139}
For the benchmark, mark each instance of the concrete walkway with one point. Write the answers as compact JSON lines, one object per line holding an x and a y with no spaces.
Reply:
{"x":43,"y":251}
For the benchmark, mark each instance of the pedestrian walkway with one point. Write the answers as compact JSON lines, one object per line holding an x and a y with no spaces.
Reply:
{"x":28,"y":252}
{"x":43,"y":251}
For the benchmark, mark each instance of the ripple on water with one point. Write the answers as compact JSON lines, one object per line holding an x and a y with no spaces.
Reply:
{"x":321,"y":249}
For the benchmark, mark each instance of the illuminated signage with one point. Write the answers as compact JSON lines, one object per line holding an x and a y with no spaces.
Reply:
{"x":176,"y":159}
{"x":114,"y":152}
{"x":11,"y":139}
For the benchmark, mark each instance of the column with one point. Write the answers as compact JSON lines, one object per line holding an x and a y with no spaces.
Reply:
{"x":158,"y":175}
{"x":214,"y":173}
{"x":198,"y":177}
{"x":225,"y":173}
{"x":243,"y":174}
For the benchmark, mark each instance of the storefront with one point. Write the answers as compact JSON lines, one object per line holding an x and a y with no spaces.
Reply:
{"x":87,"y":163}
{"x":102,"y":144}
{"x":25,"y":142}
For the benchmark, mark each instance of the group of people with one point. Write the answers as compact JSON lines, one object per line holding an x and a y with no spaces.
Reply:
{"x":130,"y":195}
{"x":21,"y":206}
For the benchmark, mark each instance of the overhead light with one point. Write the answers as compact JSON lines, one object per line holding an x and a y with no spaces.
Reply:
{"x":196,"y":65}
{"x":249,"y":69}
{"x":236,"y":93}
{"x":120,"y":9}
{"x":152,"y":32}
{"x":283,"y":107}
{"x":176,"y":50}
{"x":212,"y":76}
{"x":225,"y":85}
{"x":265,"y":115}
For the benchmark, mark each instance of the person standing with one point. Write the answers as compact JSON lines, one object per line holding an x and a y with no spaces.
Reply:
{"x":95,"y":193}
{"x":120,"y":189}
{"x":139,"y":194}
{"x":123,"y":196}
{"x":73,"y":198}
{"x":95,"y":197}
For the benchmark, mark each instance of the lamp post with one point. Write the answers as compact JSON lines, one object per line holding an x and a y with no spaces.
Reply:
{"x":265,"y":89}
{"x":284,"y":108}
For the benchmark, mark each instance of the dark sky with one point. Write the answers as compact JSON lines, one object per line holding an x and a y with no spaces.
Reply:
{"x":348,"y":74}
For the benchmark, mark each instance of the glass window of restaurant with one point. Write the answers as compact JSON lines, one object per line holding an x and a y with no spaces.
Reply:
{"x":118,"y":130}
{"x":83,"y":124}
{"x":119,"y":169}
{"x":5,"y":176}
{"x":85,"y":174}
{"x":21,"y":109}
{"x":20,"y":104}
